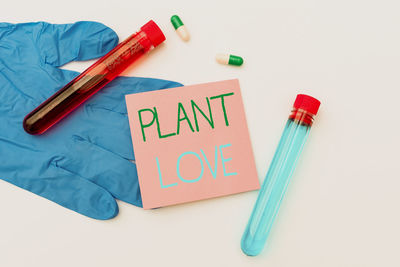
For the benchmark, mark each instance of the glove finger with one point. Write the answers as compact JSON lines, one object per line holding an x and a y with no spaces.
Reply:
{"x":41,"y":89}
{"x":69,"y":191}
{"x":104,"y":168}
{"x":112,"y":97}
{"x":106,"y":129}
{"x":104,"y":116}
{"x":83,"y":40}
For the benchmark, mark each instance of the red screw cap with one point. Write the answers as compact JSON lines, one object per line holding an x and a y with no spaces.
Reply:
{"x":307,"y":103}
{"x":154,"y":33}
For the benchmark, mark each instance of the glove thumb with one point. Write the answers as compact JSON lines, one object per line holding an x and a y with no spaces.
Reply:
{"x":83,"y":40}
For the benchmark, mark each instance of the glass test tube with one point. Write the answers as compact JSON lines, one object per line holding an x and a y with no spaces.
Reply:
{"x":280,"y":171}
{"x":93,"y":79}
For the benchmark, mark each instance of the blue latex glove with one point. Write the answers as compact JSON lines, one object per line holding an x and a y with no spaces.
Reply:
{"x":83,"y":162}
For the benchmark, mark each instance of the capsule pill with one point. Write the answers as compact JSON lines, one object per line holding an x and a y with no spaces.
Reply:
{"x":180,"y":28}
{"x":227,"y":59}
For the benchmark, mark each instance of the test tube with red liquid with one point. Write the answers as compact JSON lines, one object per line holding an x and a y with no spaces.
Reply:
{"x":93,"y":79}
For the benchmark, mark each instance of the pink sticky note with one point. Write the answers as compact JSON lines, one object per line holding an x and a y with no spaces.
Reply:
{"x":191,"y":143}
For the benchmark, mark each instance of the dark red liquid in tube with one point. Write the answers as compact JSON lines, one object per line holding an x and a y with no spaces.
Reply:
{"x":93,"y":79}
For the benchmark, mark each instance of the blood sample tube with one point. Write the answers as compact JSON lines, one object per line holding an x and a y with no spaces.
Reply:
{"x":93,"y":79}
{"x":281,"y":169}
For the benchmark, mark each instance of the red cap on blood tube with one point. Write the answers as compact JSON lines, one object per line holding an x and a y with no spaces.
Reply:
{"x":307,"y":103}
{"x":154,"y":33}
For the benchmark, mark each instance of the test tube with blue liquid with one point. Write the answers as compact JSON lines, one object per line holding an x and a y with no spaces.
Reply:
{"x":278,"y":176}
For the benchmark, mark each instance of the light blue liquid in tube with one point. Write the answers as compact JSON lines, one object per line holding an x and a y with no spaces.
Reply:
{"x":280,"y":171}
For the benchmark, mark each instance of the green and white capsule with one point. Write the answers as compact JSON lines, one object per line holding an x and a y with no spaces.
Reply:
{"x":180,"y":28}
{"x":229,"y":59}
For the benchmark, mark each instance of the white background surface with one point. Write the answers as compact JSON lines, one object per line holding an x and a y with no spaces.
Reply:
{"x":342,"y":206}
